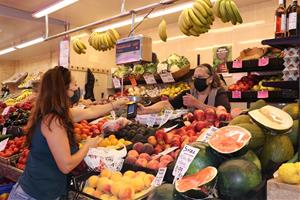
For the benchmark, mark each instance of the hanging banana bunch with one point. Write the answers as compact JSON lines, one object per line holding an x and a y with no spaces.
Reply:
{"x":162,"y":30}
{"x":78,"y":46}
{"x":105,"y":40}
{"x":227,"y":11}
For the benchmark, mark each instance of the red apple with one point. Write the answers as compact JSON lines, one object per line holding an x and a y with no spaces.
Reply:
{"x":180,"y":132}
{"x":199,"y":115}
{"x":158,"y":149}
{"x":159,"y":135}
{"x":191,"y":133}
{"x":210,"y":114}
{"x":188,"y":117}
{"x":200,"y":125}
{"x":168,"y":137}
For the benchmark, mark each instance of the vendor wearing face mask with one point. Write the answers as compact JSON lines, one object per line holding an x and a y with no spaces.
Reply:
{"x":206,"y":92}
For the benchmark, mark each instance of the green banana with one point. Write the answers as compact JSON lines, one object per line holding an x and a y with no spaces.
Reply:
{"x":199,"y":15}
{"x":223,"y":13}
{"x":200,"y":8}
{"x":236,"y":12}
{"x":193,"y":18}
{"x":216,"y":8}
{"x":162,"y":30}
{"x":230,"y":12}
{"x":193,"y":33}
{"x":205,"y":6}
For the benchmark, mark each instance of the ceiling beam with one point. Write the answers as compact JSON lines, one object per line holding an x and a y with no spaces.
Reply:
{"x":7,"y":11}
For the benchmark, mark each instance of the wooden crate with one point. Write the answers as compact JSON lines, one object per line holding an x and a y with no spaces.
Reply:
{"x":277,"y":190}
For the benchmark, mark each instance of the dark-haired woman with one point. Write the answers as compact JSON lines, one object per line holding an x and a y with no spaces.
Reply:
{"x":53,"y":152}
{"x":207,"y":92}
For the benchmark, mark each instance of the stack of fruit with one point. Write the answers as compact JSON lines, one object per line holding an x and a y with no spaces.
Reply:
{"x":260,"y":86}
{"x":173,"y":90}
{"x":83,"y":129}
{"x":23,"y":159}
{"x":24,"y":94}
{"x":13,"y":147}
{"x":137,"y":91}
{"x":17,"y":115}
{"x":78,"y":46}
{"x":113,"y":142}
{"x":227,"y":11}
{"x":245,"y":83}
{"x":117,"y":186}
{"x":105,"y":40}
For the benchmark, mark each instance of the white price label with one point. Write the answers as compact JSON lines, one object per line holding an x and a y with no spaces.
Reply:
{"x":184,"y":160}
{"x":113,"y":114}
{"x":149,"y":78}
{"x":204,"y":137}
{"x":3,"y":144}
{"x":151,"y":120}
{"x":165,"y":152}
{"x":159,"y":177}
{"x":64,"y":53}
{"x":6,"y":110}
{"x":116,"y":82}
{"x":167,"y":77}
{"x":4,"y":131}
{"x":167,"y":115}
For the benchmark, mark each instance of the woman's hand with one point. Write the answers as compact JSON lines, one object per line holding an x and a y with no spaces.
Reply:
{"x":93,"y":142}
{"x":190,"y":101}
{"x":141,"y":110}
{"x":120,"y":102}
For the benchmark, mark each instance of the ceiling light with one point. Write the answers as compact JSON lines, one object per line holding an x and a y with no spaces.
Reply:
{"x":231,"y":28}
{"x":52,"y":8}
{"x":5,"y":51}
{"x":118,"y":24}
{"x":31,"y":42}
{"x":212,"y":46}
{"x":170,"y":10}
{"x":251,"y":41}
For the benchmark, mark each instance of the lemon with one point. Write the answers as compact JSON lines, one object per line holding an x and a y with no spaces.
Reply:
{"x":289,"y":173}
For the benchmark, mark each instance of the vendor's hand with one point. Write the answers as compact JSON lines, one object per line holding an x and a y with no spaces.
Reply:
{"x":141,"y":110}
{"x":190,"y":101}
{"x":120,"y":102}
{"x":93,"y":142}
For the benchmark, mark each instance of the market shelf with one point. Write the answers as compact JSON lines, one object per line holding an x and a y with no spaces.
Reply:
{"x":282,"y":43}
{"x":275,"y":64}
{"x":283,"y":96}
{"x":10,"y":172}
{"x":293,"y":85}
{"x":141,"y":80}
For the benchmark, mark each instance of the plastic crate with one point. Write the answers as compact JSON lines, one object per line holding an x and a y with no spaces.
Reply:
{"x":6,"y":188}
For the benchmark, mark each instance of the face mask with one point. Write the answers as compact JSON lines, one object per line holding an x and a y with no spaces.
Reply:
{"x":200,"y":84}
{"x":76,"y":96}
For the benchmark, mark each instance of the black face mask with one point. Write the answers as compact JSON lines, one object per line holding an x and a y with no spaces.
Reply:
{"x":200,"y":84}
{"x":76,"y":96}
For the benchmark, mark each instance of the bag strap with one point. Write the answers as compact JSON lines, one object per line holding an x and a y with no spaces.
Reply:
{"x":212,"y":97}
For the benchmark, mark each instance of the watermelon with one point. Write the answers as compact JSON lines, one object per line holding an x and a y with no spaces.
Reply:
{"x":165,"y":192}
{"x":229,"y":140}
{"x":258,"y":136}
{"x":237,"y":177}
{"x":293,"y":135}
{"x":252,"y":157}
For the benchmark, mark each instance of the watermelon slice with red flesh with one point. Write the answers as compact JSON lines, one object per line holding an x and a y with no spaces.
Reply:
{"x":194,"y":181}
{"x":229,"y":139}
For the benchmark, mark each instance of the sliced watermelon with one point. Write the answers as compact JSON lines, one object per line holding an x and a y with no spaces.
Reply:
{"x":229,"y":139}
{"x":193,"y":182}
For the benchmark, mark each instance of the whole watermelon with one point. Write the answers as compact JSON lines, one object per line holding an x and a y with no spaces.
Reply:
{"x":165,"y":192}
{"x":237,"y":177}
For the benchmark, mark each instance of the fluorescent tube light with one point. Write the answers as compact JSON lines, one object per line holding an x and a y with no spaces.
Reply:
{"x":52,"y":8}
{"x":118,"y":24}
{"x":170,"y":10}
{"x":212,"y":46}
{"x":5,"y":51}
{"x":29,"y":43}
{"x":251,"y":41}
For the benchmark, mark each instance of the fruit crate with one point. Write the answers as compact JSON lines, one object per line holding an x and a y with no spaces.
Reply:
{"x":275,"y":64}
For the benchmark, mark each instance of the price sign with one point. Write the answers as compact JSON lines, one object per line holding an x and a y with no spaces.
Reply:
{"x":236,"y":94}
{"x":116,"y":82}
{"x":264,"y":61}
{"x":204,"y":137}
{"x":237,"y":64}
{"x":4,"y":131}
{"x":159,"y":177}
{"x":64,"y":53}
{"x":133,"y":81}
{"x":149,"y":78}
{"x":3,"y":144}
{"x":167,"y":77}
{"x":165,"y":152}
{"x":6,"y":110}
{"x":151,"y":120}
{"x":263,"y":94}
{"x":184,"y":160}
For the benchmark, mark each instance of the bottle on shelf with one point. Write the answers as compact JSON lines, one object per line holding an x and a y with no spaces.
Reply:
{"x":294,"y":19}
{"x":280,"y":20}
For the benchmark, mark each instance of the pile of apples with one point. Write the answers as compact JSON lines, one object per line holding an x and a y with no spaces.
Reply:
{"x":13,"y":147}
{"x":83,"y":129}
{"x":23,"y":159}
{"x":245,"y":83}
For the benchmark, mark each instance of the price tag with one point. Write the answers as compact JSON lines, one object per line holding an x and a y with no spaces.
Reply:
{"x":167,"y":115}
{"x":6,"y":110}
{"x":3,"y":144}
{"x":236,"y":94}
{"x":64,"y":53}
{"x":264,"y":61}
{"x":116,"y":82}
{"x":263,"y":94}
{"x":151,"y":120}
{"x":184,"y":160}
{"x":204,"y":137}
{"x":165,"y":152}
{"x":237,"y":64}
{"x":159,"y":177}
{"x":4,"y":131}
{"x":149,"y":78}
{"x":167,"y":77}
{"x":133,"y":81}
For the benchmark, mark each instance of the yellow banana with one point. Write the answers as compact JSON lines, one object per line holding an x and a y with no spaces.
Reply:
{"x":200,"y":8}
{"x":91,"y":39}
{"x":230,"y":12}
{"x":199,"y":15}
{"x":75,"y":47}
{"x":186,"y":18}
{"x":80,"y":44}
{"x":83,"y":51}
{"x":205,"y":6}
{"x":101,"y":42}
{"x":162,"y":30}
{"x":193,"y":33}
{"x":181,"y":25}
{"x":105,"y":40}
{"x":236,"y":12}
{"x":182,"y":22}
{"x":216,"y":8}
{"x":193,"y":18}
{"x":110,"y":42}
{"x":117,"y":35}
{"x":198,"y":29}
{"x":208,"y":2}
{"x":223,"y":14}
{"x":112,"y":36}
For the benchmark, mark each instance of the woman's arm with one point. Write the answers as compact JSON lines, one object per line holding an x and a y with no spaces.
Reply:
{"x":58,"y":143}
{"x":96,"y":111}
{"x":155,"y":108}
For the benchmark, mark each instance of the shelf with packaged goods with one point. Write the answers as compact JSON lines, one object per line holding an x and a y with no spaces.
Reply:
{"x":282,"y":43}
{"x":282,"y":96}
{"x":274,"y":64}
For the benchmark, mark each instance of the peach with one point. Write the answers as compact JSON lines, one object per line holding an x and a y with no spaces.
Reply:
{"x":97,"y":194}
{"x":152,"y":140}
{"x":163,"y":163}
{"x":148,"y":178}
{"x":105,"y":173}
{"x":105,"y":197}
{"x":127,"y":179}
{"x":138,"y":184}
{"x":138,"y":147}
{"x":113,"y":198}
{"x":115,"y":188}
{"x":92,"y":181}
{"x":142,"y":162}
{"x":116,"y":176}
{"x":148,"y":148}
{"x":130,"y":160}
{"x":145,"y":156}
{"x":106,"y":187}
{"x":129,"y":174}
{"x":101,"y":183}
{"x":166,"y":157}
{"x":140,"y":174}
{"x":153,"y":164}
{"x":126,"y":192}
{"x":133,"y":153}
{"x":88,"y":190}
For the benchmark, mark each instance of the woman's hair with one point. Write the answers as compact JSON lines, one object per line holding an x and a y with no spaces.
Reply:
{"x":53,"y":102}
{"x":216,"y":83}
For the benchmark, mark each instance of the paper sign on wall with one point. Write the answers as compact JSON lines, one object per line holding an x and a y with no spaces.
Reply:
{"x":64,"y":53}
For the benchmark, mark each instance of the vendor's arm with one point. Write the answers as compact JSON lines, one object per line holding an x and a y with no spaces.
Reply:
{"x":191,"y":102}
{"x":155,"y":108}
{"x":96,"y":111}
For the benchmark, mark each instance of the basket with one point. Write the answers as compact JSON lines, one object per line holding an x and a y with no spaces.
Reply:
{"x":182,"y":72}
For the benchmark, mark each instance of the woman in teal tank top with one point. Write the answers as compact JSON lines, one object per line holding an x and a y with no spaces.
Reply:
{"x":53,"y":151}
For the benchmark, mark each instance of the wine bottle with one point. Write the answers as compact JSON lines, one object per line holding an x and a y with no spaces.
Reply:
{"x":294,"y":19}
{"x":280,"y":20}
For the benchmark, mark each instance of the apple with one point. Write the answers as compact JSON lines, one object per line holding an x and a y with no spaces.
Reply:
{"x":210,"y":114}
{"x":158,"y":149}
{"x":188,"y":117}
{"x":200,"y":125}
{"x":199,"y":115}
{"x":191,"y":133}
{"x":159,"y":135}
{"x":168,"y":137}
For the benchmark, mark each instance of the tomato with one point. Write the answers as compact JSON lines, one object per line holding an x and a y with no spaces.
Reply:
{"x":84,"y":122}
